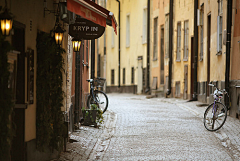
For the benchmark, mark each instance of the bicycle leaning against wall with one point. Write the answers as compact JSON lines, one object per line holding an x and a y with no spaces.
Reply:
{"x":216,"y":113}
{"x":97,"y":96}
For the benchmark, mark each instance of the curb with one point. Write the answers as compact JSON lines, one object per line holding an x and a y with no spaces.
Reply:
{"x":103,"y":141}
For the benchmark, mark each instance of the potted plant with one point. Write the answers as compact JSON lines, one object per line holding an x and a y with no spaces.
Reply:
{"x":92,"y":116}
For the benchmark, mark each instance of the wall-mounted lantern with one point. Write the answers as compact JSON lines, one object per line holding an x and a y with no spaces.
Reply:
{"x":58,"y":33}
{"x":6,"y":21}
{"x":76,"y":44}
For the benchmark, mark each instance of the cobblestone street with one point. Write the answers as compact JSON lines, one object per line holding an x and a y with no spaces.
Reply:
{"x":137,"y":128}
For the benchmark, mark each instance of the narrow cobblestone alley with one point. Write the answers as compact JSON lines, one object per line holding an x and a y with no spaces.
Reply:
{"x":137,"y":128}
{"x":151,"y":130}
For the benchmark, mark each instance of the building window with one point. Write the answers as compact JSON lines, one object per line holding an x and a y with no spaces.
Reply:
{"x":155,"y":39}
{"x":112,"y":76}
{"x":220,"y":7}
{"x":113,"y":38}
{"x":124,"y":76}
{"x":201,"y":31}
{"x":177,"y":86}
{"x":219,"y":27}
{"x":178,"y":41}
{"x":144,"y":34}
{"x":132,"y":80}
{"x":167,"y":36}
{"x":128,"y":31}
{"x":186,"y":38}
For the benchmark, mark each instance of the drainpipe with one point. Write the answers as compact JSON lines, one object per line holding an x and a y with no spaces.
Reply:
{"x":119,"y":46}
{"x":77,"y":86}
{"x":195,"y":51}
{"x":148,"y":47}
{"x":92,"y":57}
{"x":228,"y":48}
{"x":170,"y":47}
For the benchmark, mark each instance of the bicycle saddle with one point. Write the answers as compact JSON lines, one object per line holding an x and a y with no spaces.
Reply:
{"x":90,"y":80}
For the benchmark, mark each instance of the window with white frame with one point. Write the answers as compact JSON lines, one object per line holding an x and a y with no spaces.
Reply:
{"x":155,"y":39}
{"x":144,"y":32}
{"x":167,"y":36}
{"x":219,"y":27}
{"x":128,"y":31}
{"x":178,"y":41}
{"x":201,"y":31}
{"x":186,"y":38}
{"x":113,"y":38}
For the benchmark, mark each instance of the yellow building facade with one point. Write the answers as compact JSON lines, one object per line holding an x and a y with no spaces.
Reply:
{"x":182,"y":52}
{"x":126,"y":64}
{"x":212,"y":46}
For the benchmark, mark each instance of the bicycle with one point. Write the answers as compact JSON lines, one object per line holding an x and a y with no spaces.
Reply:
{"x":97,"y":96}
{"x":216,"y":113}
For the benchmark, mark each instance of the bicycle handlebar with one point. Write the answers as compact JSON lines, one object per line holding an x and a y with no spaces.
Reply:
{"x":224,"y":90}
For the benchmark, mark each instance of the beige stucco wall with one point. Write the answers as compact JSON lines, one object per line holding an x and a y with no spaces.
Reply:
{"x":24,"y":12}
{"x":129,"y":54}
{"x":183,"y":11}
{"x":217,"y":63}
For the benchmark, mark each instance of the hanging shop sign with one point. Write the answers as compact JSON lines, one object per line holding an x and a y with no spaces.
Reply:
{"x":84,"y":29}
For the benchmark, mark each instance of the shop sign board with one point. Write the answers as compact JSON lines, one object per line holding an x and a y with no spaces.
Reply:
{"x":84,"y":29}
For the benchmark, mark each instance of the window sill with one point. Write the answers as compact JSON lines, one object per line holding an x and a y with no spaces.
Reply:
{"x":201,"y":59}
{"x":185,"y":59}
{"x":178,"y":60}
{"x":155,"y":59}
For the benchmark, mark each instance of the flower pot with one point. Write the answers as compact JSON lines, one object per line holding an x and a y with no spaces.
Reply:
{"x":89,"y":117}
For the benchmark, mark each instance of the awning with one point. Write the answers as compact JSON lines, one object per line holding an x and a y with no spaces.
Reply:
{"x":91,"y":11}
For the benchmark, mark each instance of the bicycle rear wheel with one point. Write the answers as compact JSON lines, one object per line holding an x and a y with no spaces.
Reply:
{"x":100,"y":98}
{"x":215,"y":116}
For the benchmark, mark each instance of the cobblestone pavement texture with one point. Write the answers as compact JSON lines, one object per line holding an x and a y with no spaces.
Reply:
{"x":137,"y":128}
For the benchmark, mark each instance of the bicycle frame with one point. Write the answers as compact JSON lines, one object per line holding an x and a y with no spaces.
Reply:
{"x":92,"y":92}
{"x":217,"y":98}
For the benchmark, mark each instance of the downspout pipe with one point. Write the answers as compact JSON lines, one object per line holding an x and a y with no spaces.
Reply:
{"x":119,"y":45}
{"x":93,"y":57}
{"x":148,"y":47}
{"x":228,"y":48}
{"x":195,"y":52}
{"x":170,"y":47}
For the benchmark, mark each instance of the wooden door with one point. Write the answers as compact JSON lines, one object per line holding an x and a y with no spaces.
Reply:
{"x":185,"y":92}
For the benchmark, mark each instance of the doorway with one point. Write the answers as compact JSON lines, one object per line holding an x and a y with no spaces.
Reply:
{"x":140,"y":75}
{"x":18,"y":151}
{"x":162,"y":57}
{"x":185,"y":92}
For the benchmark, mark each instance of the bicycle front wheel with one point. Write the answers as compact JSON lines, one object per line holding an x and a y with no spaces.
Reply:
{"x":100,"y":98}
{"x":215,"y":116}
